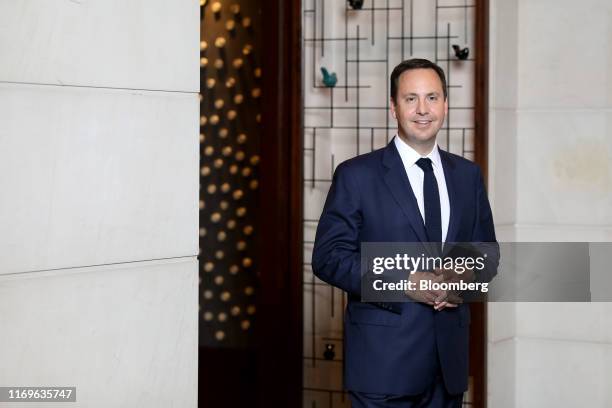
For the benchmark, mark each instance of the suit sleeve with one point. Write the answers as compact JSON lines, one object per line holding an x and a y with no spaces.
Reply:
{"x":336,"y":252}
{"x":484,"y":232}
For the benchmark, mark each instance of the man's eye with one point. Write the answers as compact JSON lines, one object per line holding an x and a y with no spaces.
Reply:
{"x":411,"y":99}
{"x":433,"y":98}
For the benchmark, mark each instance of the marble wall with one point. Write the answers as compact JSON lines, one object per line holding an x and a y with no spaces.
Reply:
{"x":99,"y":117}
{"x":550,"y":179}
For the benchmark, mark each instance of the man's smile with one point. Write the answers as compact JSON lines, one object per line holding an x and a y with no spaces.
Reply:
{"x":422,"y":123}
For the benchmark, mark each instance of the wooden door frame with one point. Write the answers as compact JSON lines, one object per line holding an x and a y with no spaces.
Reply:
{"x":478,"y":328}
{"x":280,"y":311}
{"x":279,"y":323}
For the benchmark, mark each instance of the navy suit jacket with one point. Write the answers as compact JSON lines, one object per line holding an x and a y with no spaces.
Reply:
{"x":390,"y":348}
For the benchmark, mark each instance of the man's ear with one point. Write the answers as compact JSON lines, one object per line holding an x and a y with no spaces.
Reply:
{"x":392,"y":105}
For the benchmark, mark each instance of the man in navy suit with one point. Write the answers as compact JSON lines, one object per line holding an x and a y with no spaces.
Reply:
{"x":411,"y":354}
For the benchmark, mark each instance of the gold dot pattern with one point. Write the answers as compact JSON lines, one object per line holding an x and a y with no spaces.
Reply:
{"x":220,"y":42}
{"x":235,"y":8}
{"x":230,"y":134}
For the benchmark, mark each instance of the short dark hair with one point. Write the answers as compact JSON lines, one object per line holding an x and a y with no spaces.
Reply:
{"x":415,"y":63}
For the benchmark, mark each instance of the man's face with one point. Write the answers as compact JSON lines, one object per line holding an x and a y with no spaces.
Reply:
{"x":420,"y":106}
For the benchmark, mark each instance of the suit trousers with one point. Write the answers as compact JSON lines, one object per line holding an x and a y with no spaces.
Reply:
{"x":435,"y":396}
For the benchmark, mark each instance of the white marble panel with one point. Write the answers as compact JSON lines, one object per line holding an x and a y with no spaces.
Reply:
{"x":137,"y":44}
{"x":565,"y":167}
{"x":564,"y":54}
{"x":565,"y":321}
{"x":501,"y":323}
{"x":563,"y":233}
{"x":558,"y":373}
{"x":501,"y":374}
{"x":551,"y":354}
{"x":96,"y":176}
{"x":502,"y":187}
{"x":505,"y":232}
{"x":125,"y":335}
{"x":503,"y":54}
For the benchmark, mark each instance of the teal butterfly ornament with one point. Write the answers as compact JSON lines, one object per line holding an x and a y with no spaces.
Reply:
{"x":329,"y":80}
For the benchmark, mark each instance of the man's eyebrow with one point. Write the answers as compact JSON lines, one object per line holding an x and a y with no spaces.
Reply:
{"x":435,"y":93}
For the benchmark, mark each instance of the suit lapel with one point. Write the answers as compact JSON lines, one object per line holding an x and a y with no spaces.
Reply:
{"x":451,"y":182}
{"x":397,"y":181}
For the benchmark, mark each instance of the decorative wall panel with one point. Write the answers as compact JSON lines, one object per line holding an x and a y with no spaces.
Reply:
{"x":350,"y":49}
{"x":229,"y":157}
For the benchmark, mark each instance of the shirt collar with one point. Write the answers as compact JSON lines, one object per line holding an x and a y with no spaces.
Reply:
{"x":410,"y":156}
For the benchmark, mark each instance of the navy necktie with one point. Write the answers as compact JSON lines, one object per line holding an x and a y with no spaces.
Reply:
{"x":431,"y":201}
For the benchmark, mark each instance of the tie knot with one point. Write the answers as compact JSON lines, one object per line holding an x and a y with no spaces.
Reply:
{"x":425,"y":164}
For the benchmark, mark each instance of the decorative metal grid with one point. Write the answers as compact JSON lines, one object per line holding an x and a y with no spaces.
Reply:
{"x":347,"y":115}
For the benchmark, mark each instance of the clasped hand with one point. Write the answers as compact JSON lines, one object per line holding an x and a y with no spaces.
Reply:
{"x":440,"y":298}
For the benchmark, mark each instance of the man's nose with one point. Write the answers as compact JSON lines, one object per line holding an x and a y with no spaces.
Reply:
{"x":422,"y":107}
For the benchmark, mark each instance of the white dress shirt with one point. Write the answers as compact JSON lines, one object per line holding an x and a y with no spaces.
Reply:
{"x":416,"y":175}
